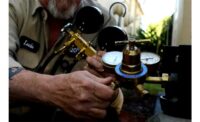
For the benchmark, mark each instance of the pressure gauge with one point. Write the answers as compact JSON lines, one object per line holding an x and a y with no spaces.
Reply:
{"x":111,"y":59}
{"x":149,"y":58}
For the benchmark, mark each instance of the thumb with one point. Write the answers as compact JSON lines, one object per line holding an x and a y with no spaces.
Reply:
{"x":107,"y":80}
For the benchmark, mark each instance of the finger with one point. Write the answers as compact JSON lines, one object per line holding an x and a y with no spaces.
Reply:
{"x":109,"y":80}
{"x":101,"y":80}
{"x":101,"y":53}
{"x":95,"y":63}
{"x":100,"y":89}
{"x":100,"y":103}
{"x":106,"y":81}
{"x":103,"y":92}
{"x":98,"y":57}
{"x":97,"y":113}
{"x":95,"y":102}
{"x":92,"y":71}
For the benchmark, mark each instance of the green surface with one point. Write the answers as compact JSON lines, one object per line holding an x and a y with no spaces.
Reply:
{"x":153,"y":89}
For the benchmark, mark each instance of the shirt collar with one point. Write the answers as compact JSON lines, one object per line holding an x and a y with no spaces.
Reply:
{"x":37,"y":7}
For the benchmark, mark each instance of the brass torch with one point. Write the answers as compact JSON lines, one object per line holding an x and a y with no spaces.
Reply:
{"x":75,"y":39}
{"x":88,"y":20}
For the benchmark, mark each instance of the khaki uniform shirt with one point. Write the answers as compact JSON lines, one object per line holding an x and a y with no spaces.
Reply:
{"x":29,"y":35}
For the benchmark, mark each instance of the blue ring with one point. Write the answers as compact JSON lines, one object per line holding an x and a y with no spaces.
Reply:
{"x":143,"y":73}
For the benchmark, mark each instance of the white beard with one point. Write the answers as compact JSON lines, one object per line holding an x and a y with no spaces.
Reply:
{"x":61,"y":15}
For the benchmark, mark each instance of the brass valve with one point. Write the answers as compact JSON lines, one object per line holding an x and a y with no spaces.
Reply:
{"x":131,"y":73}
{"x":131,"y":63}
{"x":131,"y":59}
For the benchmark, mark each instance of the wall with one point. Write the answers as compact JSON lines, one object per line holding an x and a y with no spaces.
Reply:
{"x":182,"y":23}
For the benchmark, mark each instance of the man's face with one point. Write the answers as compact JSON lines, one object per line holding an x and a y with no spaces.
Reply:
{"x":63,"y":9}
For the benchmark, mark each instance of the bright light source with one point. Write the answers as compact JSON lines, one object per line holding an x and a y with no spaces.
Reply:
{"x":156,"y":10}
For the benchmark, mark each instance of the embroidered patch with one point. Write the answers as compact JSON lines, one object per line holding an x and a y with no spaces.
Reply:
{"x":29,"y":44}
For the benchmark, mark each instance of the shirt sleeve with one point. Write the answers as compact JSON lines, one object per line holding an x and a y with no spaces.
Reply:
{"x":13,"y":37}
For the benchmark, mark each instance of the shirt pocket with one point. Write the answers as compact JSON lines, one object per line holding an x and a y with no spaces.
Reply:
{"x":28,"y":59}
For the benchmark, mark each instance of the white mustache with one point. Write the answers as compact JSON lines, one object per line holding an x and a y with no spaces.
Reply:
{"x":53,"y":10}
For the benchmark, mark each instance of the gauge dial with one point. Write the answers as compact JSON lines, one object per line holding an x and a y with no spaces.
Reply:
{"x":149,"y":58}
{"x":112,"y":58}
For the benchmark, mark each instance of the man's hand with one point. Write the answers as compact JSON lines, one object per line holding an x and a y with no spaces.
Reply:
{"x":95,"y":65}
{"x":80,"y":94}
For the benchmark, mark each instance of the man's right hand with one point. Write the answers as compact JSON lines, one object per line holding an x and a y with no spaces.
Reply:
{"x":80,"y":94}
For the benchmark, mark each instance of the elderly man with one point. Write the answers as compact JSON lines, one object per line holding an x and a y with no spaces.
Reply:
{"x":34,"y":32}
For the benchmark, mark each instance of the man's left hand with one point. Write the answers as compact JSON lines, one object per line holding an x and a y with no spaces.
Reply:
{"x":95,"y":65}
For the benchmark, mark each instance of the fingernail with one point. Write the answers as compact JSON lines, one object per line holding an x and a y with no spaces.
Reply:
{"x":101,"y":70}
